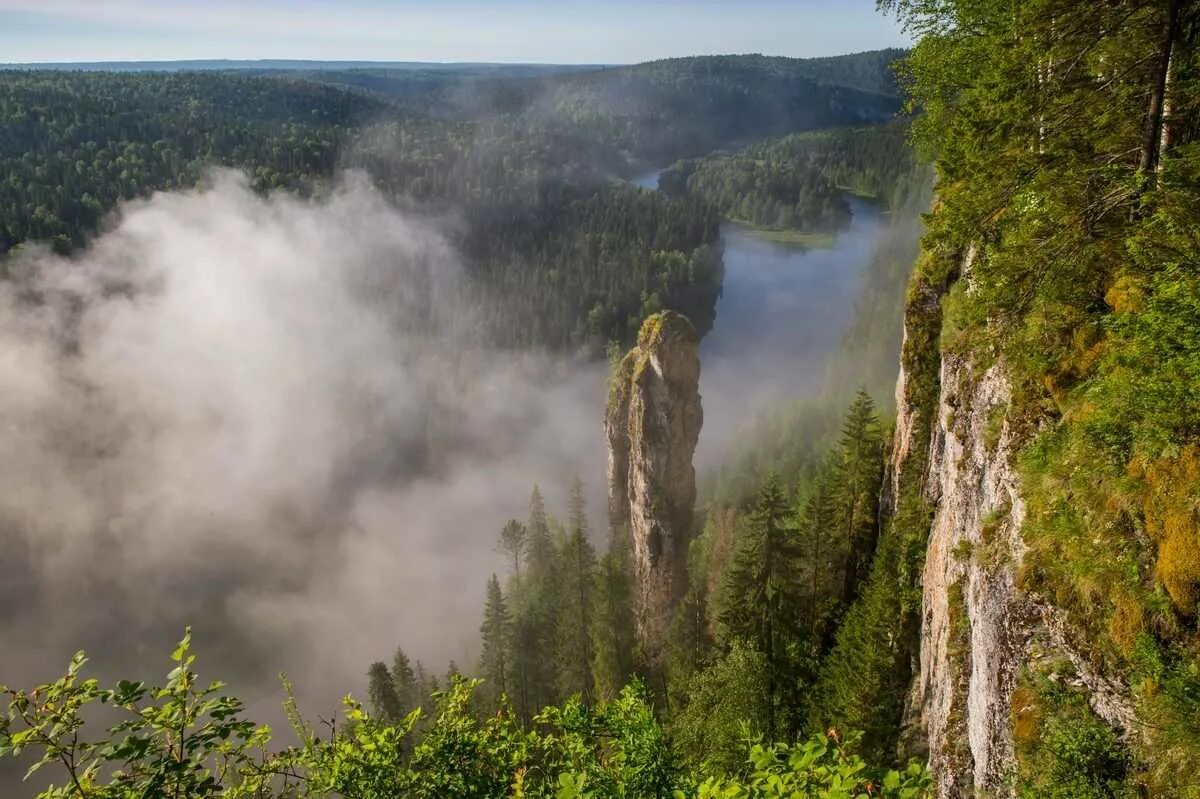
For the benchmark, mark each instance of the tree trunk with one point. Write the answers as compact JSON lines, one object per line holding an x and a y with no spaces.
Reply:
{"x":1153,"y":132}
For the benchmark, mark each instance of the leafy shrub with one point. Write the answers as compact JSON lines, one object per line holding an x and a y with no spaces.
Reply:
{"x":183,"y":741}
{"x":820,"y":767}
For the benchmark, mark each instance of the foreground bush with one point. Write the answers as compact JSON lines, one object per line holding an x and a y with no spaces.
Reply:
{"x":189,"y":741}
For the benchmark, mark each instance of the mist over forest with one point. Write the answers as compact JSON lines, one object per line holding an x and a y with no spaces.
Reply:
{"x":299,"y":395}
{"x":718,"y":426}
{"x":260,"y":407}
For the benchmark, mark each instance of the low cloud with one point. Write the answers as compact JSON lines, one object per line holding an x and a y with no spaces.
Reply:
{"x":260,"y":416}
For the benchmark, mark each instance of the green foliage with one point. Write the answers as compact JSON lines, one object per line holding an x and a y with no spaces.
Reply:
{"x":820,"y":768}
{"x":1068,"y":155}
{"x":725,"y":705}
{"x":179,"y":740}
{"x":184,"y":742}
{"x":1066,"y":751}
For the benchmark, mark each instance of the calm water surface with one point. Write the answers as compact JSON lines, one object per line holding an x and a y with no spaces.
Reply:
{"x":781,"y":315}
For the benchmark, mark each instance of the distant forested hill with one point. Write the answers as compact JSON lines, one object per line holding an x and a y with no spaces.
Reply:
{"x":659,"y":110}
{"x":72,"y":145}
{"x":687,"y":106}
{"x":527,"y":158}
{"x":796,"y":182}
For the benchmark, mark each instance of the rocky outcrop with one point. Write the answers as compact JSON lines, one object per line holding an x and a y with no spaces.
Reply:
{"x":1109,"y":698}
{"x":652,"y":424}
{"x":907,"y":472}
{"x":978,"y":629}
{"x":973,"y":628}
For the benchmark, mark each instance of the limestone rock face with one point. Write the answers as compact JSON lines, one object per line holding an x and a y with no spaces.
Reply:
{"x":652,"y":424}
{"x":974,"y":631}
{"x":979,"y":626}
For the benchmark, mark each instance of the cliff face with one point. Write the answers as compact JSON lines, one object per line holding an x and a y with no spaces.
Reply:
{"x":652,"y":424}
{"x":979,"y":628}
{"x":953,"y":448}
{"x":972,"y":637}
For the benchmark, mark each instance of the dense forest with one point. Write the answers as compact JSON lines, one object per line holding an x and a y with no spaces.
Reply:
{"x":549,"y":236}
{"x":762,"y":191}
{"x":990,"y":589}
{"x":796,"y":182}
{"x":579,"y":260}
{"x":769,"y":585}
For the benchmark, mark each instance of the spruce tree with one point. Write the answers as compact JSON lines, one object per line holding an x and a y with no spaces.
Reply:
{"x":494,"y":662}
{"x":540,"y":545}
{"x":536,"y":612}
{"x":408,"y":690}
{"x":824,"y":554}
{"x":613,"y":640}
{"x":763,"y":600}
{"x":856,"y":491}
{"x":514,"y":542}
{"x":381,"y":692}
{"x":578,"y":559}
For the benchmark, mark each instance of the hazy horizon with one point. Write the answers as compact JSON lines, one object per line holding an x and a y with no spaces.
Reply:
{"x":496,"y":32}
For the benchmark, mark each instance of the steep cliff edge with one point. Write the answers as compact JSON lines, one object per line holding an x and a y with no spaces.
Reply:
{"x":652,"y":424}
{"x":1059,"y":587}
{"x":972,"y":635}
{"x":982,"y":629}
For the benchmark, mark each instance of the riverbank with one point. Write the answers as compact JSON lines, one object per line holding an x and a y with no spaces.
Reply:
{"x":788,"y":238}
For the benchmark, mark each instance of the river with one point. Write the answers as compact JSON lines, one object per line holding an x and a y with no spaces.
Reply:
{"x":780,"y":318}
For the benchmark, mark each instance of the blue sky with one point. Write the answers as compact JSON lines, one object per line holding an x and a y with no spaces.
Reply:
{"x":566,"y":31}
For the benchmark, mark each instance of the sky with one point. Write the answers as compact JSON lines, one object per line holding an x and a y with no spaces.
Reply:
{"x":536,"y":31}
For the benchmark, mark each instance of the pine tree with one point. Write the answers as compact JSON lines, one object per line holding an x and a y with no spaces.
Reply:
{"x":381,"y":691}
{"x":763,"y":600}
{"x":494,"y":662}
{"x":513,"y":539}
{"x":578,"y":572}
{"x":408,"y":689}
{"x":856,"y":491}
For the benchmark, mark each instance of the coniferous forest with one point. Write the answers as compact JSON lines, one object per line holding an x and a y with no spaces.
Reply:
{"x":962,"y":562}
